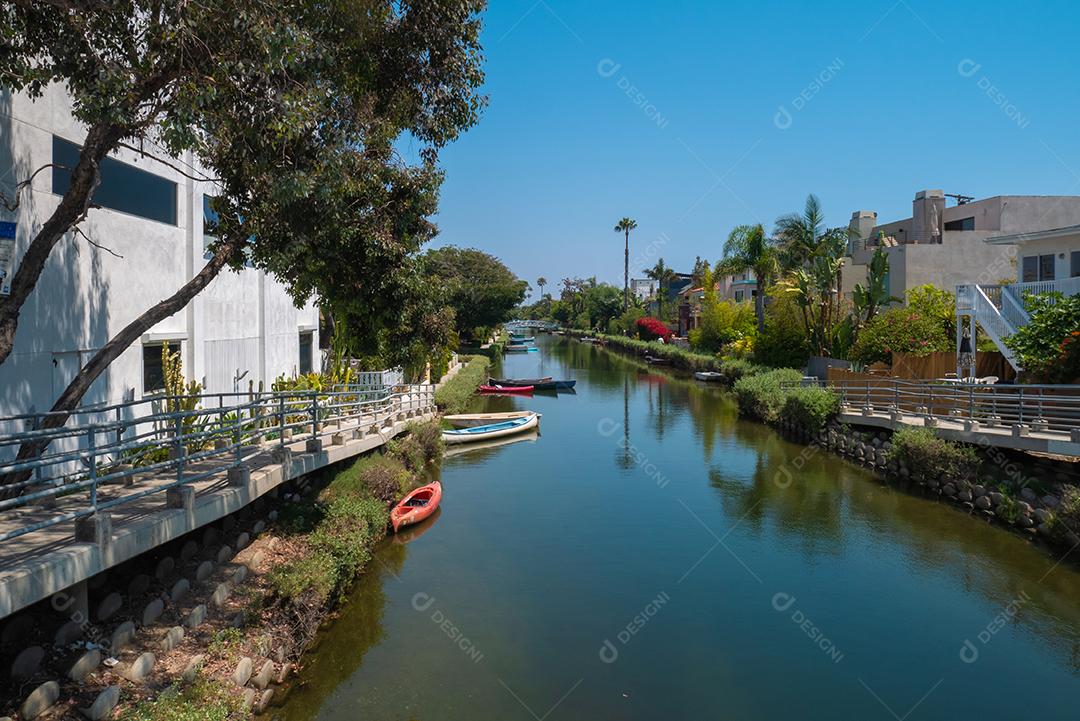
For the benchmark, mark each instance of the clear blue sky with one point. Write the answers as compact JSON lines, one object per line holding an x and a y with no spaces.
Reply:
{"x":903,"y":102}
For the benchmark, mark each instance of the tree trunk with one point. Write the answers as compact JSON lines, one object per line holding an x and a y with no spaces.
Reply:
{"x":100,"y":139}
{"x":80,"y":384}
{"x":626,"y":275}
{"x":759,"y":305}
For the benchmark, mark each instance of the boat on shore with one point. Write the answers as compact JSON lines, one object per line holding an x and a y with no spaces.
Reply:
{"x":471,"y":420}
{"x":656,"y":361}
{"x":709,"y":376}
{"x":492,"y":430}
{"x":505,"y":389}
{"x":416,"y":505}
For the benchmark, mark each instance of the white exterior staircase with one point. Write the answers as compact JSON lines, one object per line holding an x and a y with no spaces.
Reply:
{"x":999,"y":309}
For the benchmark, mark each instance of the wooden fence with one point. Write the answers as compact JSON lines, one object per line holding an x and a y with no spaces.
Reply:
{"x":938,"y":365}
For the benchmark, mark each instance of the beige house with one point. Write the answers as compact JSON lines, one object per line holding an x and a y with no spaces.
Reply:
{"x":947,"y":246}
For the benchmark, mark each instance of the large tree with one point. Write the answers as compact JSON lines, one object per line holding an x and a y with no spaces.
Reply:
{"x":482,"y":291}
{"x":291,"y":109}
{"x":624,"y":226}
{"x":663,"y":275}
{"x":748,"y":248}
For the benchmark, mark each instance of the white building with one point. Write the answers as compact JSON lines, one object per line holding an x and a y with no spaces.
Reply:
{"x":643,"y":289}
{"x":242,"y":328}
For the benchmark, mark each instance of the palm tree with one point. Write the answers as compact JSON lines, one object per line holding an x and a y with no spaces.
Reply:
{"x":663,"y":276}
{"x":747,"y":248}
{"x":803,"y":236}
{"x":625,"y":226}
{"x":541,"y":281}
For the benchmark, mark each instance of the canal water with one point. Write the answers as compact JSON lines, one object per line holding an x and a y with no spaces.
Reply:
{"x":651,"y":556}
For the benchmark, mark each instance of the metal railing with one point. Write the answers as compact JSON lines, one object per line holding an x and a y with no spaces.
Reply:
{"x":1040,"y":407}
{"x":173,"y":441}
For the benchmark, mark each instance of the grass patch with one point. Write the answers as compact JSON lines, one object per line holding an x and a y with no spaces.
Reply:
{"x":203,"y":700}
{"x":454,"y":395}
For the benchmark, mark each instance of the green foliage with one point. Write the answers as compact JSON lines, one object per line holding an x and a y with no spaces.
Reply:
{"x":1049,"y":346}
{"x":762,"y":396}
{"x":421,"y":445}
{"x":626,"y":323}
{"x":383,"y":477}
{"x":784,"y":343}
{"x":722,"y":322}
{"x":868,"y":300}
{"x":225,"y":640}
{"x":736,"y":368}
{"x":339,"y":547}
{"x":482,"y":291}
{"x":603,"y":302}
{"x":663,"y":276}
{"x":748,"y":248}
{"x":453,"y":396}
{"x":203,"y":700}
{"x":899,"y":330}
{"x":811,"y":408}
{"x":940,"y":305}
{"x":928,"y":457}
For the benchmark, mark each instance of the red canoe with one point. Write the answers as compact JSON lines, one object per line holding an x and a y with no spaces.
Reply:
{"x":506,"y":389}
{"x":416,"y":505}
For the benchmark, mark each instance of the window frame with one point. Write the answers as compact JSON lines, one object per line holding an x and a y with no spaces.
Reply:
{"x":310,"y":354}
{"x":174,"y":346}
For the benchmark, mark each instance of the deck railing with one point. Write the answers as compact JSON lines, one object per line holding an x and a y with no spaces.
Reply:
{"x":114,"y":445}
{"x":1039,"y":407}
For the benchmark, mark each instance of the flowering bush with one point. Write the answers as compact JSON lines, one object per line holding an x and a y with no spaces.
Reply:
{"x":652,"y":328}
{"x":900,"y":330}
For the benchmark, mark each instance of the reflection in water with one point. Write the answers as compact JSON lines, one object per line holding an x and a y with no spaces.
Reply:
{"x":548,"y":547}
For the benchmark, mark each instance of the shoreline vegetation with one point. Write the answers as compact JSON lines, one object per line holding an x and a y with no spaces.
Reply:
{"x":320,"y":540}
{"x":454,"y":395}
{"x":987,"y":483}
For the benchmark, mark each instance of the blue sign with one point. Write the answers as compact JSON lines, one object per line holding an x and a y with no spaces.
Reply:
{"x":7,"y":256}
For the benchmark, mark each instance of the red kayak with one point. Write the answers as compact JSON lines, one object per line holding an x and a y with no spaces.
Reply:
{"x":506,"y":389}
{"x":416,"y":505}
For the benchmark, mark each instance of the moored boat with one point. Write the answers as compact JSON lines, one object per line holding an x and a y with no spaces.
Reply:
{"x":709,"y":376}
{"x":521,"y":348}
{"x":656,"y":361}
{"x":416,"y":505}
{"x":538,"y":384}
{"x":471,"y":420}
{"x":492,"y":430}
{"x":505,"y":389}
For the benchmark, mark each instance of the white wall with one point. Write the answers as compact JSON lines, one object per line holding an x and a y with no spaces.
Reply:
{"x":243,"y":321}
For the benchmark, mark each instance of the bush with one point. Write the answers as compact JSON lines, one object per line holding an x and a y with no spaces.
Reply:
{"x":899,"y":330}
{"x":929,"y":458}
{"x":762,"y":396}
{"x":627,"y":322}
{"x":722,"y":322}
{"x":454,"y":395}
{"x":650,"y":328}
{"x":384,"y":478}
{"x":339,"y":547}
{"x":783,"y":343}
{"x":736,"y":368}
{"x":1049,"y":346}
{"x":811,"y":408}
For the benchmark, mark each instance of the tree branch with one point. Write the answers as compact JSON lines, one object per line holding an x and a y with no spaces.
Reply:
{"x":140,"y":151}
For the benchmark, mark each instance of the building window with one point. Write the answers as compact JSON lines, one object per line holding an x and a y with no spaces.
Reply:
{"x":1074,"y":264}
{"x":153,"y":373}
{"x":305,"y":352}
{"x":1038,"y":268}
{"x":738,"y":296}
{"x":962,"y":224}
{"x":123,"y":187}
{"x":209,"y":224}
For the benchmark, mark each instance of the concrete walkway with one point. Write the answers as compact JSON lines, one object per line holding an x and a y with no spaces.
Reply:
{"x":37,"y":565}
{"x":1021,"y":438}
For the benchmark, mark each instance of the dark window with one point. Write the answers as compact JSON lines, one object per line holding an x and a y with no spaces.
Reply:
{"x":123,"y":187}
{"x":1074,"y":263}
{"x":1046,"y":267}
{"x":305,"y":352}
{"x":738,"y":296}
{"x":153,"y":374}
{"x":962,"y":224}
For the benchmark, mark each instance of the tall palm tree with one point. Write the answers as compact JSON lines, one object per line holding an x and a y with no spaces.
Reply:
{"x":663,"y":276}
{"x":625,"y":226}
{"x":541,"y":281}
{"x":803,"y":236}
{"x":747,"y":248}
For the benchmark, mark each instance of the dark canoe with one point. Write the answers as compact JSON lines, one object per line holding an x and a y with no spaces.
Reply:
{"x":539,"y":384}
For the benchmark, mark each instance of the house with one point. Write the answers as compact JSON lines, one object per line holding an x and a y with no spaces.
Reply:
{"x":149,"y":238}
{"x":943,"y":245}
{"x":1045,"y":261}
{"x":738,"y":288}
{"x":644,"y":288}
